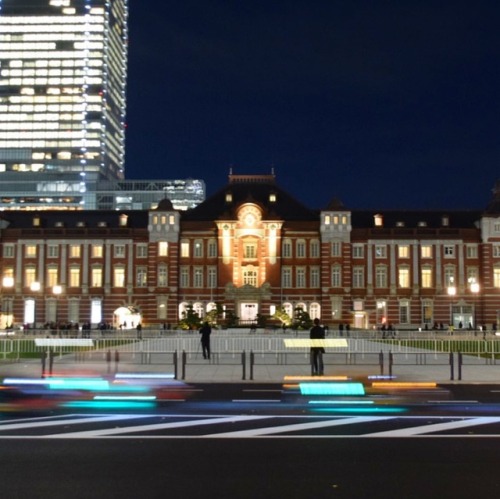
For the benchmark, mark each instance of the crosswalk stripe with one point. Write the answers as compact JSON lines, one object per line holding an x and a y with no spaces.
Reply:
{"x":153,"y":427}
{"x":61,"y":422}
{"x":420,"y":430}
{"x":297,"y":427}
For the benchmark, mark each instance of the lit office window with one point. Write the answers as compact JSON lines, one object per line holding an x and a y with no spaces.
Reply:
{"x":74,"y":277}
{"x":119,"y":277}
{"x":162,"y":248}
{"x":97,"y":277}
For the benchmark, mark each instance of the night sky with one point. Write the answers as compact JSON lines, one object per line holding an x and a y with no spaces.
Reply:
{"x":383,"y":104}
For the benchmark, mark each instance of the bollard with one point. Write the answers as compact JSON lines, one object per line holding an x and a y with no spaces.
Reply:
{"x":381,"y":362}
{"x":243,"y":363}
{"x":460,"y":359}
{"x":251,"y":364}
{"x":175,"y":365}
{"x":452,"y":373}
{"x":184,"y":364}
{"x":391,"y":362}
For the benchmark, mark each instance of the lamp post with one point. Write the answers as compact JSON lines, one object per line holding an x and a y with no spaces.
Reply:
{"x":452,"y":291}
{"x":474,"y":287}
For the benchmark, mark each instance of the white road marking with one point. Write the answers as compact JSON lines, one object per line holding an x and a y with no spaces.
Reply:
{"x":297,"y":427}
{"x":419,"y":430}
{"x":153,"y":427}
{"x":62,"y":422}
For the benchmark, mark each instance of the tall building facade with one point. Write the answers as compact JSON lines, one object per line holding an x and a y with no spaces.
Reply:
{"x":253,"y":249}
{"x":63,"y":68}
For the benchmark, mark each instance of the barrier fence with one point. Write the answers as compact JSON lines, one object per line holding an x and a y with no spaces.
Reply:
{"x":387,"y":356}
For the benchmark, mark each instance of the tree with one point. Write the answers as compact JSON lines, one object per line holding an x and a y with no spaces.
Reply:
{"x":213,"y":317}
{"x":282,"y":316}
{"x":190,"y":319}
{"x":301,"y":319}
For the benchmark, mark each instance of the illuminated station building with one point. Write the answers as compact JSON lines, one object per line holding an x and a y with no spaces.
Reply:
{"x":252,"y":248}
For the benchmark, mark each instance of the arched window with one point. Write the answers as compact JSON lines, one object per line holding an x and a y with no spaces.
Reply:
{"x":315,"y":310}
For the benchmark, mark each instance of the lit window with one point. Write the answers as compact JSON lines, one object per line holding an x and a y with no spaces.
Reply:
{"x":426,"y":251}
{"x":404,"y":277}
{"x":97,"y":277}
{"x":403,"y":251}
{"x":162,"y":248}
{"x":119,"y":277}
{"x":185,"y":249}
{"x":74,"y":277}
{"x":74,"y":250}
{"x":426,"y":274}
{"x":97,"y":250}
{"x":30,"y":250}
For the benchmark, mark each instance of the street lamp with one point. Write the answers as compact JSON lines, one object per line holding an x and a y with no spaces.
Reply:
{"x":452,"y":291}
{"x":474,"y":287}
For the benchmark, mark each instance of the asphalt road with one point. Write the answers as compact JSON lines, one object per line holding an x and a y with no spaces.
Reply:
{"x":258,"y":441}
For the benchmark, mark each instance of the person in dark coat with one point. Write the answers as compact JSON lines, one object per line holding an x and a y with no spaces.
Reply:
{"x":205,"y":332}
{"x":317,"y":333}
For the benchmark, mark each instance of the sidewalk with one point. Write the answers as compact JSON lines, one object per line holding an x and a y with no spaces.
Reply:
{"x":198,"y":370}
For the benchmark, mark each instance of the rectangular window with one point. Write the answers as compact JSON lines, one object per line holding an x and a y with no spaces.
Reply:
{"x":212,"y":249}
{"x":185,"y":249}
{"x":314,"y":277}
{"x":53,"y":251}
{"x":300,"y":278}
{"x":496,"y":250}
{"x":426,"y":274}
{"x":141,"y":277}
{"x":198,"y":277}
{"x":250,"y":277}
{"x":381,"y":276}
{"x":336,"y":276}
{"x":142,"y":251}
{"x":381,"y":251}
{"x":184,"y":277}
{"x":198,"y":249}
{"x":449,"y":276}
{"x":426,"y":251}
{"x":403,"y":251}
{"x":301,"y":249}
{"x":29,"y":276}
{"x":119,"y":250}
{"x":471,"y":250}
{"x":287,"y":249}
{"x":250,"y":251}
{"x":427,"y":312}
{"x":212,"y":277}
{"x":8,"y":251}
{"x":496,"y":277}
{"x":404,"y":312}
{"x":74,"y":277}
{"x":358,"y":251}
{"x":119,"y":277}
{"x":97,"y":250}
{"x":162,"y":248}
{"x":404,"y":277}
{"x":74,"y":250}
{"x":449,"y":250}
{"x":358,"y":277}
{"x":336,"y":248}
{"x":30,"y":250}
{"x":162,"y":276}
{"x":52,"y":276}
{"x":97,"y":277}
{"x":286,"y":277}
{"x":315,"y":249}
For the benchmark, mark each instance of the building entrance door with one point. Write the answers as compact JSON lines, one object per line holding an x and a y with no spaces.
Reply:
{"x":248,"y":311}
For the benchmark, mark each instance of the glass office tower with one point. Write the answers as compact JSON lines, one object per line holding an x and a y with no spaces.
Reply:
{"x":63,"y":69}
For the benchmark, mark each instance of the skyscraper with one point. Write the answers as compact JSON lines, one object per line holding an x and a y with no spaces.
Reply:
{"x":63,"y":68}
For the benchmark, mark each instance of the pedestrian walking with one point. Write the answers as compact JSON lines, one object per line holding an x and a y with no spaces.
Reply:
{"x":52,"y":354}
{"x":205,"y":332}
{"x":317,"y":333}
{"x":117,"y":360}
